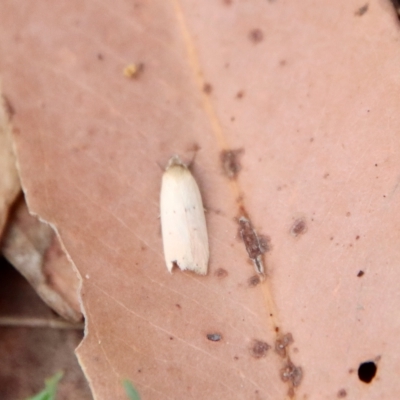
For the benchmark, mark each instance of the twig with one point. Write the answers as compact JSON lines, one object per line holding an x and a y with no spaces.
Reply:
{"x":22,"y":322}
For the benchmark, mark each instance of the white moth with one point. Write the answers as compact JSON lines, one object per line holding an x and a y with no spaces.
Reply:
{"x":183,"y":223}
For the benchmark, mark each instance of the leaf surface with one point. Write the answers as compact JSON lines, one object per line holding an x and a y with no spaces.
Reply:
{"x":305,"y":95}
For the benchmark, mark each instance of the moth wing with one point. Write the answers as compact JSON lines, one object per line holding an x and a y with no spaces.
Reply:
{"x":183,"y":222}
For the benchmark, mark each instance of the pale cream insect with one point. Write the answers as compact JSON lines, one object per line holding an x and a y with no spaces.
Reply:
{"x":184,"y":229}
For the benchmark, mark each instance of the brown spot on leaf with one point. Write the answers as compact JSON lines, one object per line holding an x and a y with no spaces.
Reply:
{"x":8,"y":107}
{"x":207,"y":88}
{"x":362,"y":10}
{"x":282,"y":342}
{"x":265,"y":243}
{"x":254,"y":281}
{"x":240,"y":94}
{"x":299,"y":227}
{"x":254,"y":248}
{"x":256,"y":35}
{"x":195,"y":147}
{"x":214,"y":337}
{"x":291,"y":373}
{"x":230,"y":160}
{"x":259,"y":349}
{"x":341,"y":393}
{"x":221,"y":273}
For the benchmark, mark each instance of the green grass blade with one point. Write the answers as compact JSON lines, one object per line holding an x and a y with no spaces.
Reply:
{"x":130,"y":390}
{"x":50,"y":390}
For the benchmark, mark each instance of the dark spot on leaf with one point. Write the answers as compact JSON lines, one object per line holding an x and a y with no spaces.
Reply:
{"x":299,"y":227}
{"x":259,"y":349}
{"x":207,"y":88}
{"x":265,"y":243}
{"x":367,"y":371}
{"x":195,"y":147}
{"x":221,"y":273}
{"x":291,"y":373}
{"x":360,"y":273}
{"x":230,"y":160}
{"x":240,"y":94}
{"x":8,"y":107}
{"x":256,"y":35}
{"x":214,"y":337}
{"x":254,"y":281}
{"x":362,"y":10}
{"x":341,"y":393}
{"x":254,"y":248}
{"x":282,"y":342}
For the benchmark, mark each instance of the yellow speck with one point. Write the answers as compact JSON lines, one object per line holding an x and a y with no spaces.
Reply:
{"x":133,"y":70}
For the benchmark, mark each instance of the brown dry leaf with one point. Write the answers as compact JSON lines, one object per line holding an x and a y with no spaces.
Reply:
{"x":9,"y":180}
{"x":32,"y":247}
{"x":309,"y":91}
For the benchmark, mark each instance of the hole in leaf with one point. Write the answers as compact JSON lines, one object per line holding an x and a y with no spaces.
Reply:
{"x":367,"y":371}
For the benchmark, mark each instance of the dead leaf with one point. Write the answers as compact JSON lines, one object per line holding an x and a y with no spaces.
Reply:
{"x":9,"y":181}
{"x":318,"y":124}
{"x":33,"y":248}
